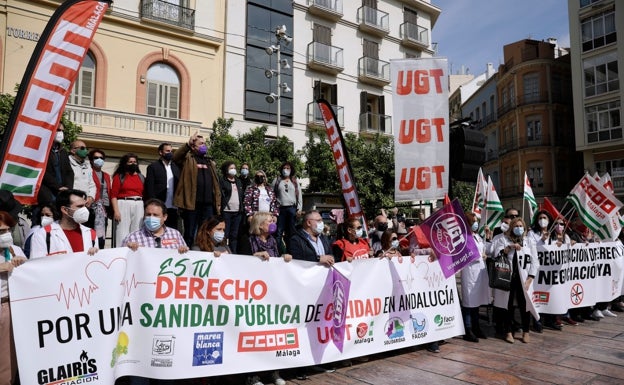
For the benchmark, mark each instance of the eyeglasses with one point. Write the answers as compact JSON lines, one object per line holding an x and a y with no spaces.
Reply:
{"x":512,"y":216}
{"x":98,"y":157}
{"x":5,"y":230}
{"x":80,"y":148}
{"x":395,"y":239}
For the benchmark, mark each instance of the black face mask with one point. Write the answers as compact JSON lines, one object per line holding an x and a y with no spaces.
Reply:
{"x":132,"y":168}
{"x":382,"y":227}
{"x":168,"y":156}
{"x":259,"y":179}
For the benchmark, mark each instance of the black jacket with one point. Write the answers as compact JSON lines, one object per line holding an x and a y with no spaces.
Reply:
{"x":49,"y":185}
{"x":302,"y":249}
{"x":155,"y":185}
{"x":226,"y":193}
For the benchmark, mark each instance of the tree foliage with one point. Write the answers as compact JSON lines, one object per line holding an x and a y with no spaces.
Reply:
{"x":464,"y":192}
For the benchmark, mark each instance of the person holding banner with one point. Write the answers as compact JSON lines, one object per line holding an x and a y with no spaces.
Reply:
{"x":474,"y":285}
{"x":390,"y":245}
{"x":211,"y":237}
{"x":522,"y":254}
{"x":309,"y":243}
{"x":13,"y":257}
{"x":352,"y":245}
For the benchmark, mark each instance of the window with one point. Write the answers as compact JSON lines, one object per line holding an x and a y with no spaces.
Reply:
{"x":534,"y":130}
{"x":84,"y":87}
{"x":263,"y":17}
{"x":603,"y":122}
{"x":163,"y":91}
{"x":601,"y":74}
{"x":372,"y":113}
{"x":535,"y":173}
{"x":585,"y":3}
{"x":530,"y":82}
{"x":371,"y":55}
{"x":598,"y":30}
{"x":615,"y":168}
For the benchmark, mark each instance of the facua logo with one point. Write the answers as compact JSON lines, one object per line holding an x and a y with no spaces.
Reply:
{"x":270,"y":340}
{"x":443,"y":322}
{"x":82,"y":371}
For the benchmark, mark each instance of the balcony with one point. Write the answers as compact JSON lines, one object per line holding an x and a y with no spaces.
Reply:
{"x":172,"y":14}
{"x":511,"y":145}
{"x":328,"y":9}
{"x":372,"y":124}
{"x":505,"y":108}
{"x":373,"y":21}
{"x":128,"y":127}
{"x":325,"y":58}
{"x":314,"y":118}
{"x":532,"y":98}
{"x":373,"y":71}
{"x":414,"y":36}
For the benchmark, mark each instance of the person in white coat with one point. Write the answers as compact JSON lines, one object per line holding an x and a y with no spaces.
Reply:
{"x":67,"y":235}
{"x":475,"y":290}
{"x":522,"y":255}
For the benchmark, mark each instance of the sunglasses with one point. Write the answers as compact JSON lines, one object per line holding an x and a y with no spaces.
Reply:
{"x":395,"y":239}
{"x":512,"y":216}
{"x":80,"y":148}
{"x":98,"y":157}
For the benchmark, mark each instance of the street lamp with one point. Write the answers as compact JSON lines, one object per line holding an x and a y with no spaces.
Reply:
{"x":282,"y":64}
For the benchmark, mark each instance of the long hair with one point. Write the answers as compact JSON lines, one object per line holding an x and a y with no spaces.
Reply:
{"x":203,"y":239}
{"x":293,"y":171}
{"x":386,"y":239}
{"x":7,"y":219}
{"x":535,"y":225}
{"x":122,"y":166}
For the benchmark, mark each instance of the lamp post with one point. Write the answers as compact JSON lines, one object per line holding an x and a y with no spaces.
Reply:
{"x":282,"y":64}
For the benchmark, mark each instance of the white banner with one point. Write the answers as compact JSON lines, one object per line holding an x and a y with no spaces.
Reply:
{"x":420,"y":119}
{"x":156,"y":313}
{"x":577,"y":276}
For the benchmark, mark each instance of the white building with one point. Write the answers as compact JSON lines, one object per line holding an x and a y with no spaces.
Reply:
{"x":340,"y":51}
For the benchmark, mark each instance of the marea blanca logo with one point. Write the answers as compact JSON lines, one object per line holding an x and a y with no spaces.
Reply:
{"x":81,"y":371}
{"x":208,"y":349}
{"x":420,"y":324}
{"x":364,"y":332}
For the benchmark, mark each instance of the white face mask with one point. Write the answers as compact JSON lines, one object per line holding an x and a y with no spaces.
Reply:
{"x":395,"y":244}
{"x":58,"y":138}
{"x":320,"y":226}
{"x":504,"y":227}
{"x":81,"y":215}
{"x":232,"y":172}
{"x":218,"y":236}
{"x":6,"y":240}
{"x":543,"y":223}
{"x":286,"y":172}
{"x":45,"y":221}
{"x":359,"y":233}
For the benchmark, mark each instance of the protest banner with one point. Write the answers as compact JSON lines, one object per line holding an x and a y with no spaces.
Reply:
{"x":156,"y":313}
{"x":577,"y":276}
{"x":420,"y":120}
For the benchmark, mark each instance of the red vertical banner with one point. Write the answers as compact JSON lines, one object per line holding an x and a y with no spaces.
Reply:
{"x":43,"y":93}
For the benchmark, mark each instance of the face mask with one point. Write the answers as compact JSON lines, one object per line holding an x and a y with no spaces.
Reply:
{"x":152,"y":223}
{"x":45,"y":221}
{"x":543,"y":223}
{"x":218,"y":236}
{"x":359,"y":233}
{"x":244,"y":172}
{"x":504,"y":227}
{"x":286,"y":172}
{"x":81,"y":215}
{"x":518,"y":231}
{"x":168,"y":156}
{"x":201,"y":150}
{"x":272,"y":228}
{"x":58,"y":138}
{"x":82,"y":153}
{"x":98,"y":162}
{"x":232,"y":172}
{"x":6,"y":240}
{"x":559,"y":229}
{"x":475,"y":226}
{"x":259,"y":179}
{"x":132,"y":168}
{"x":395,"y":244}
{"x":382,"y":227}
{"x":320,"y":226}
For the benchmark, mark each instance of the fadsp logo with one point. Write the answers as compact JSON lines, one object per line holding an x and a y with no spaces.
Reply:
{"x":419,"y":322}
{"x":269,"y":340}
{"x":208,"y":349}
{"x":81,"y":371}
{"x":448,"y":229}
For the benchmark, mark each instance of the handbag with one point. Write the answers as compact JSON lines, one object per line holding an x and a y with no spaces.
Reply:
{"x":499,"y":272}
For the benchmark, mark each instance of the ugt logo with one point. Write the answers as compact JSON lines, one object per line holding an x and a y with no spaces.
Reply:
{"x":449,"y":232}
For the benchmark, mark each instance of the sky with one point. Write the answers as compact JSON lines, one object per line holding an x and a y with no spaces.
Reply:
{"x":472,"y":33}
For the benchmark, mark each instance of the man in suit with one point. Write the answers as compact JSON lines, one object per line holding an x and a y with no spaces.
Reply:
{"x":161,"y":181}
{"x":58,"y":174}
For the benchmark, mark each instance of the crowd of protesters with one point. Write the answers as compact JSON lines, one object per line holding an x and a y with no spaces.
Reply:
{"x":183,"y":203}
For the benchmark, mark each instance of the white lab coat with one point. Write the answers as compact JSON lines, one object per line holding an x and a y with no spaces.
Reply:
{"x":59,"y":244}
{"x":475,"y":290}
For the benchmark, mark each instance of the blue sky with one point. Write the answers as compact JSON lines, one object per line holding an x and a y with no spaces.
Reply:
{"x":472,"y":33}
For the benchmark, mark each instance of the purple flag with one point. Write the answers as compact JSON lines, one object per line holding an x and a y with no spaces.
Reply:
{"x":449,"y":236}
{"x":340,"y":294}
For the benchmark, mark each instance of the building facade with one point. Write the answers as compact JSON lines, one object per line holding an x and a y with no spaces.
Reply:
{"x":340,"y":51}
{"x":597,"y":60}
{"x":152,"y":73}
{"x":525,"y":112}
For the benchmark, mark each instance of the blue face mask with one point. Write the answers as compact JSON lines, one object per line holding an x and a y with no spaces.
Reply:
{"x":152,"y":223}
{"x":475,"y":226}
{"x":518,"y":231}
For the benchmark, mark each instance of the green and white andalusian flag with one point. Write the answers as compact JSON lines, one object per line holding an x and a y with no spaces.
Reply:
{"x":493,"y":212}
{"x":529,"y":197}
